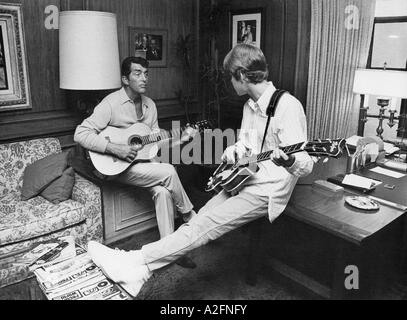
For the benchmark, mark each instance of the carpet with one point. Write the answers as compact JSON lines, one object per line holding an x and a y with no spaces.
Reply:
{"x":220,"y":274}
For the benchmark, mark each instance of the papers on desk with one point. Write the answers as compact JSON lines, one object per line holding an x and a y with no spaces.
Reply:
{"x":387,"y":172}
{"x":390,"y":148}
{"x":360,"y":182}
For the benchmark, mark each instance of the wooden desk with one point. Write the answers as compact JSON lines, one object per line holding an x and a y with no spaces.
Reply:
{"x":355,"y":231}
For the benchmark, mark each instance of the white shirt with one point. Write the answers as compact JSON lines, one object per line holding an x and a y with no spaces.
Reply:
{"x":116,"y":110}
{"x":287,"y":127}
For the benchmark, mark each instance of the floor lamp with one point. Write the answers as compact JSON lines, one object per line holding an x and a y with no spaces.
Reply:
{"x":88,"y":55}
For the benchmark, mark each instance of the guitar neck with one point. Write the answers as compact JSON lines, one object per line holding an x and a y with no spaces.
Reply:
{"x":287,"y":150}
{"x":162,"y":135}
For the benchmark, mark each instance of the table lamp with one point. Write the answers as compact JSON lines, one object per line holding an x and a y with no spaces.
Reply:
{"x":88,"y":53}
{"x":388,"y":85}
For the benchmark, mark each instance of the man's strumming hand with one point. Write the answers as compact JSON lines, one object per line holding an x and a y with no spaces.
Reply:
{"x":123,"y":151}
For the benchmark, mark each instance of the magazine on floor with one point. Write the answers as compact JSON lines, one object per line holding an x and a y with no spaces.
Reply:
{"x":76,"y":277}
{"x":50,"y":258}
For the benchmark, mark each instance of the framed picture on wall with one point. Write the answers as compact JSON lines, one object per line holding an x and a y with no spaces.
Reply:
{"x":389,"y":44}
{"x":151,"y":44}
{"x":14,"y":85}
{"x":247,"y":26}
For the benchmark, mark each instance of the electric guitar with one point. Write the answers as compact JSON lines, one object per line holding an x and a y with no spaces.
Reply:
{"x":230,"y":177}
{"x":139,"y":135}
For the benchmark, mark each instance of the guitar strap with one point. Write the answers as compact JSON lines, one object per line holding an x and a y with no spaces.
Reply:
{"x":271,"y":109}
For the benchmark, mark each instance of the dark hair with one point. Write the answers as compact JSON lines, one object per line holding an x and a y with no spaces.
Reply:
{"x":126,"y":64}
{"x":248,"y":60}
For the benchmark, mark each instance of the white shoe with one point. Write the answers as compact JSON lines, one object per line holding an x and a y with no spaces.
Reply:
{"x":125,"y":268}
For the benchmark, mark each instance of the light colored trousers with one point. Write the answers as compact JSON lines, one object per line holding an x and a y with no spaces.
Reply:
{"x":163,"y":182}
{"x":220,"y":215}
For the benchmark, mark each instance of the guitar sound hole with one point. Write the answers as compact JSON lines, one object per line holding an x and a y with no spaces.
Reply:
{"x":136,"y":140}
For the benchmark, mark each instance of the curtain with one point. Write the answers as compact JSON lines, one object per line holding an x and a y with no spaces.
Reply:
{"x":341,"y":32}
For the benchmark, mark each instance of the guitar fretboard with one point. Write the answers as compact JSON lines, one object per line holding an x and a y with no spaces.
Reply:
{"x":162,"y":135}
{"x":287,"y":150}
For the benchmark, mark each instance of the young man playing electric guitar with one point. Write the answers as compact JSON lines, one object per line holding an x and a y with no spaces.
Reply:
{"x":266,"y":193}
{"x":124,"y":108}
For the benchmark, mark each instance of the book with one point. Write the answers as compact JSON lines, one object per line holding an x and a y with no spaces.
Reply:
{"x":355,"y":182}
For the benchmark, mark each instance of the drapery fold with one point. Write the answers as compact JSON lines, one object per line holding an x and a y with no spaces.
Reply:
{"x":340,"y":38}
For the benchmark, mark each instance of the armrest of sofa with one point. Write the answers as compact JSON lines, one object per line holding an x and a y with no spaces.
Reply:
{"x":89,"y":194}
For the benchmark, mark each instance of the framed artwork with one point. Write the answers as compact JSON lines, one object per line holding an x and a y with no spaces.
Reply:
{"x":247,"y":26}
{"x":389,"y":44}
{"x":151,"y":44}
{"x":14,"y":85}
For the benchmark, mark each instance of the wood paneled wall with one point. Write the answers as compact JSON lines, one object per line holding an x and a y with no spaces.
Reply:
{"x":52,"y":113}
{"x":286,"y":47}
{"x":177,"y":16}
{"x":48,"y":113}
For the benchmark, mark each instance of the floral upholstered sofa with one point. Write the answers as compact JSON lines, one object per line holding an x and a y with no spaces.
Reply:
{"x":25,"y":223}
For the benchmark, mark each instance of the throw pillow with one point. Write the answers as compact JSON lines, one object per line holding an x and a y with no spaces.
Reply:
{"x":38,"y":175}
{"x":60,"y":189}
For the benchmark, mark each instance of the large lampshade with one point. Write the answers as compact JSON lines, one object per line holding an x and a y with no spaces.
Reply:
{"x":88,"y":51}
{"x":386,"y":83}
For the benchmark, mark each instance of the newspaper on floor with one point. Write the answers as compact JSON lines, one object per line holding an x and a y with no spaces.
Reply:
{"x":110,"y":293}
{"x":57,"y":272}
{"x":87,"y":290}
{"x":96,"y":288}
{"x":76,"y":279}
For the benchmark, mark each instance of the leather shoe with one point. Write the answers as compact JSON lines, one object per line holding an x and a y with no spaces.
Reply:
{"x":185,"y":262}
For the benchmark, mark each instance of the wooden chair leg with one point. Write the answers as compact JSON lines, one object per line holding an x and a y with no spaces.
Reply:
{"x":254,"y":251}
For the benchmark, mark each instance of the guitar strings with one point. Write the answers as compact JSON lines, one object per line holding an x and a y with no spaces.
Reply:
{"x":165,"y":135}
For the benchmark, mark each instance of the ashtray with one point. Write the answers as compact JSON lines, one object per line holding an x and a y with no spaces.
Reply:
{"x":363,"y":203}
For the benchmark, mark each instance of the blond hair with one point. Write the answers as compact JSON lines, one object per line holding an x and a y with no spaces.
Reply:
{"x":248,"y":60}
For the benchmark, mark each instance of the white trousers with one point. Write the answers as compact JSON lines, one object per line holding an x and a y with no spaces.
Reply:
{"x":220,"y":215}
{"x":167,"y":191}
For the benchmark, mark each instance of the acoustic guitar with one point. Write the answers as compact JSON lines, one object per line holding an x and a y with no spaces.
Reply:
{"x":231,"y":177}
{"x":139,"y":135}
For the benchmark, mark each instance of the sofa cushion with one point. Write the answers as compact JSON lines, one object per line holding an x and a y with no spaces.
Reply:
{"x":61,"y":189}
{"x":38,"y":175}
{"x":23,"y":220}
{"x":14,"y":157}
